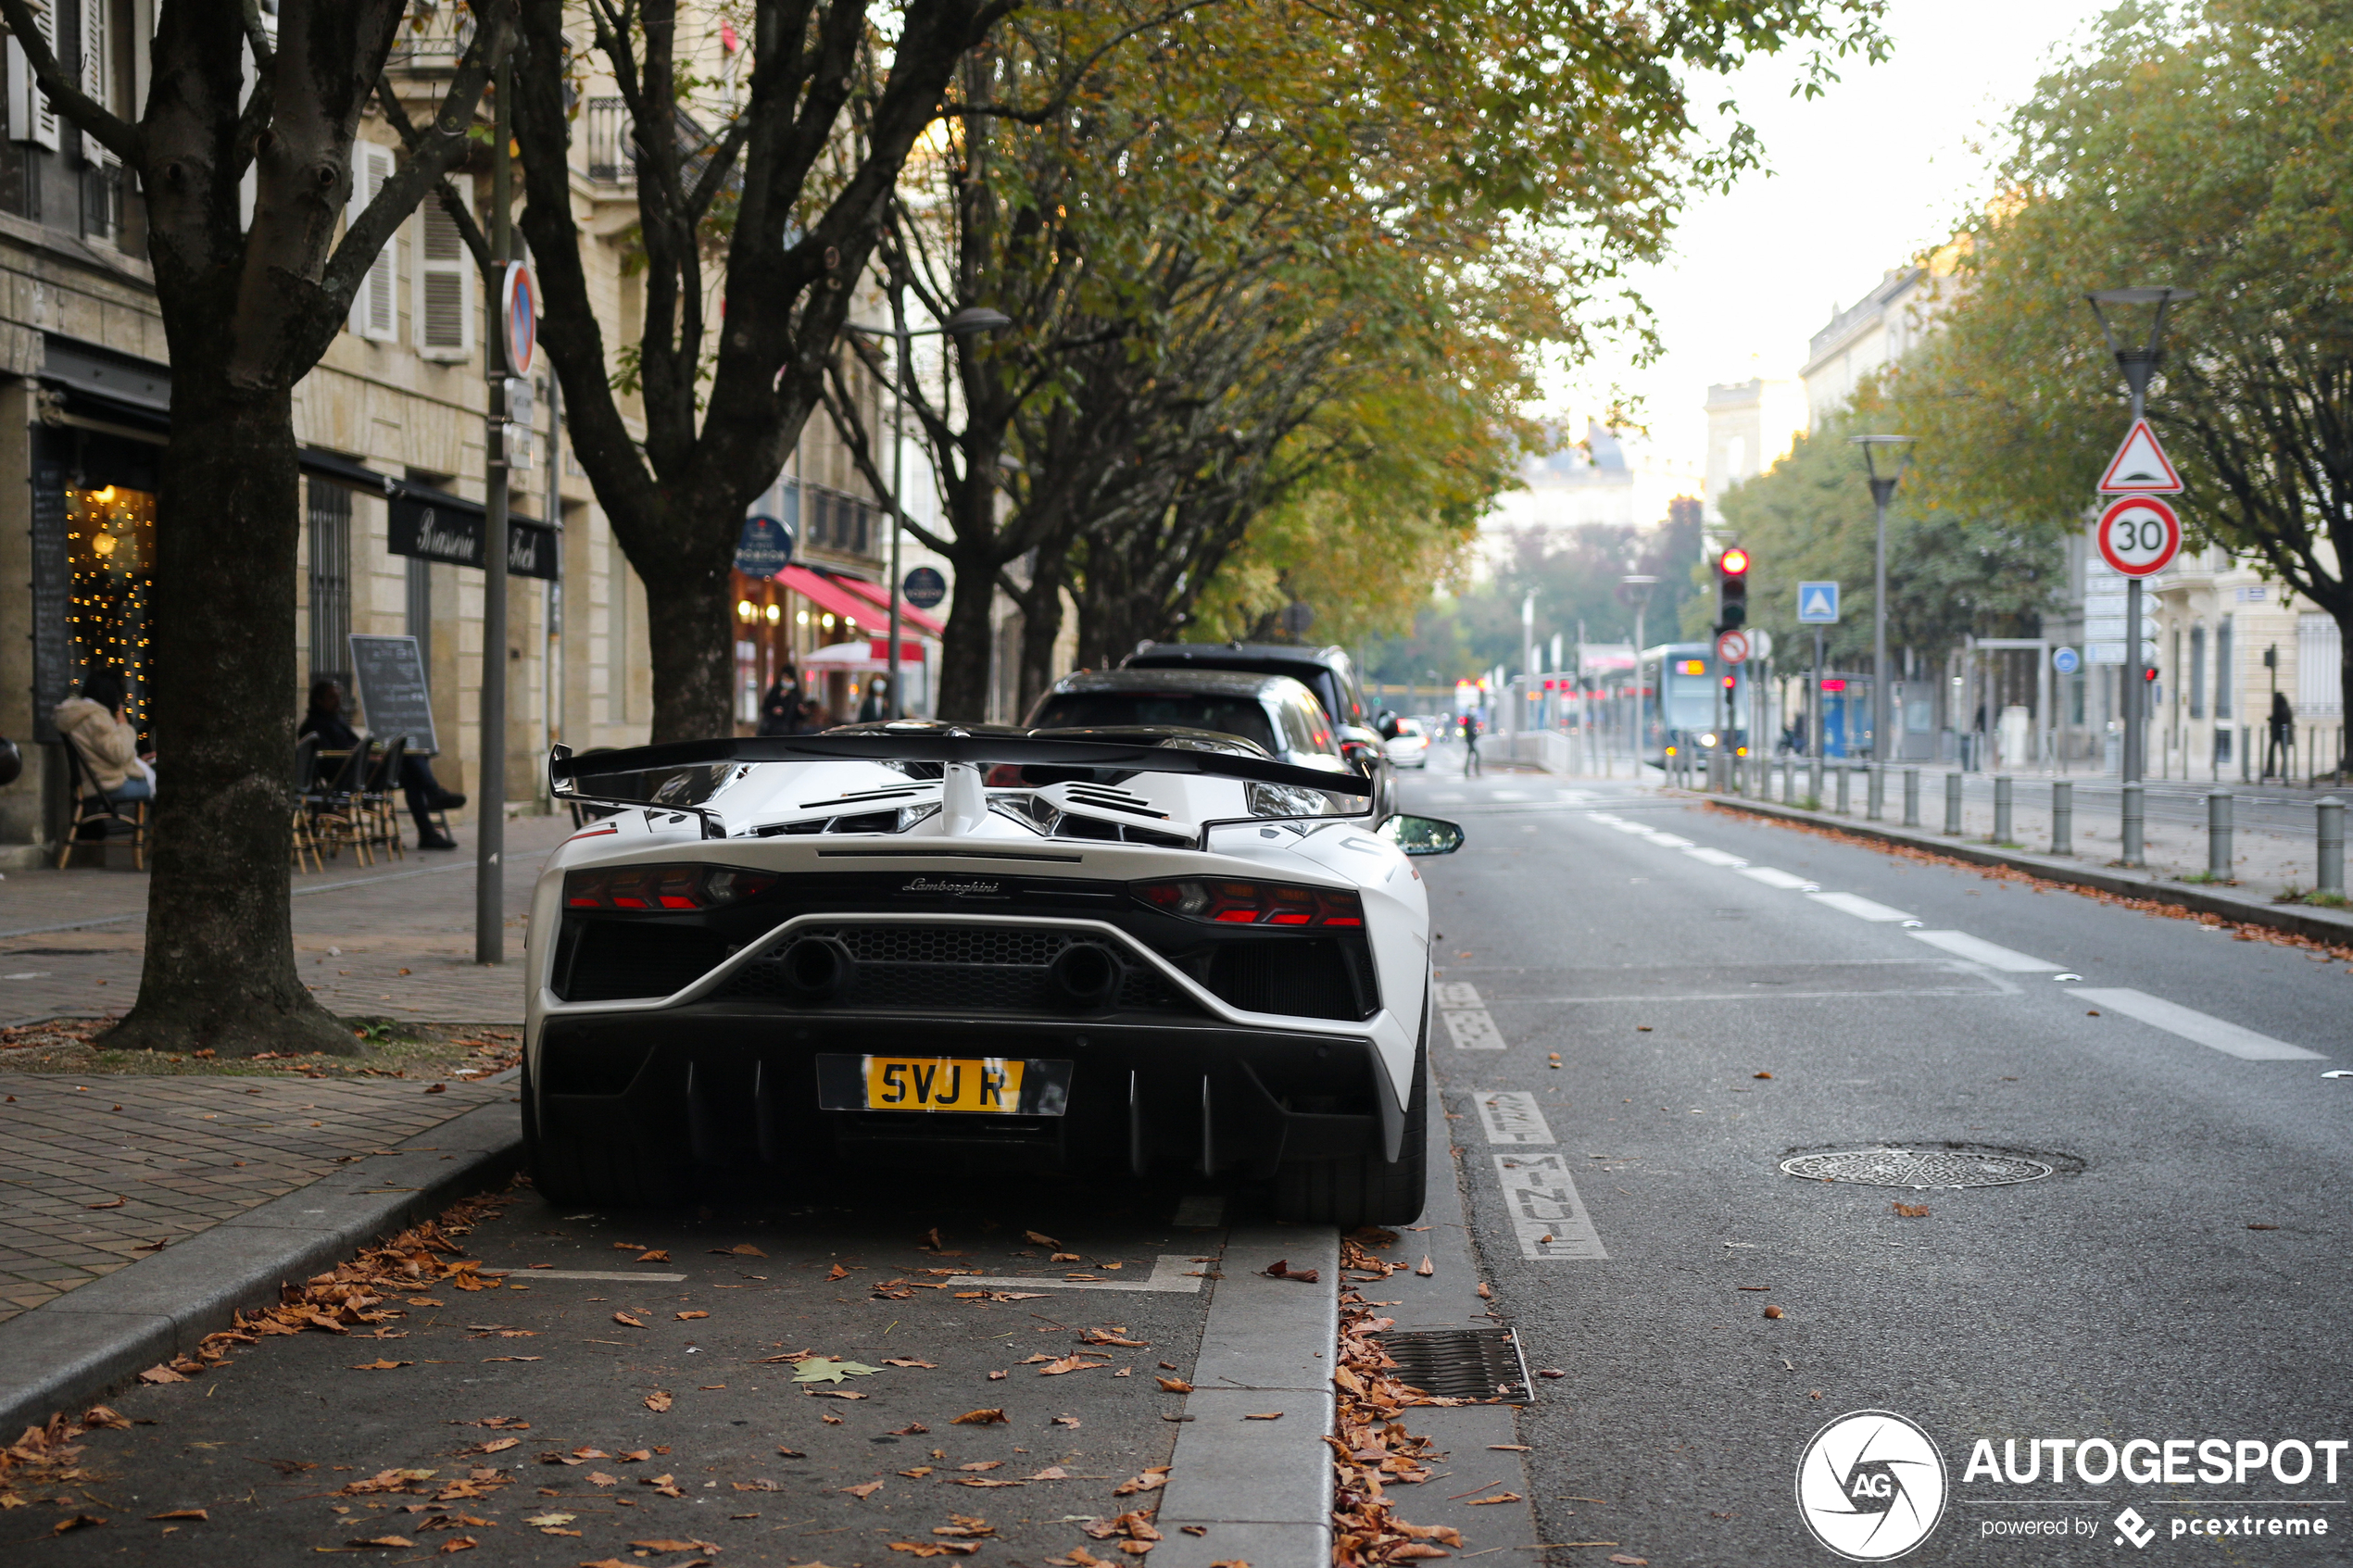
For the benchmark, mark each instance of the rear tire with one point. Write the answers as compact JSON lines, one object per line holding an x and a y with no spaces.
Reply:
{"x":1364,"y":1189}
{"x":568,"y":1170}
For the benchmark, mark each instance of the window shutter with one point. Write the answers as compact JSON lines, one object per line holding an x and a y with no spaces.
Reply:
{"x":445,"y":273}
{"x":96,"y":78}
{"x":30,"y":117}
{"x":373,"y":303}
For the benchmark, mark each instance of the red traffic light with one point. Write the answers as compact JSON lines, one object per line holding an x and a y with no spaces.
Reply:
{"x":2149,"y":673}
{"x":1733,"y":562}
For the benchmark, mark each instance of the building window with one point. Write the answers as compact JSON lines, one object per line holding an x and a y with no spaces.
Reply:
{"x":2225,"y":673}
{"x":445,"y":287}
{"x":2197,"y":672}
{"x":2319,"y":678}
{"x":329,"y":518}
{"x":110,"y":540}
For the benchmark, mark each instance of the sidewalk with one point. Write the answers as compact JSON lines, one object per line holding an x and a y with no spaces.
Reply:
{"x":393,"y":940}
{"x":139,"y":1210}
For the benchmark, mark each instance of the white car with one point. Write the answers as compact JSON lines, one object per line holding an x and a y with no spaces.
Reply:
{"x":1409,"y":747}
{"x":1148,"y":951}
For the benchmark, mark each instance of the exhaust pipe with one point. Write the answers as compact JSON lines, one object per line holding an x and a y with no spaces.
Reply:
{"x":1086,"y":974}
{"x":817,"y":967}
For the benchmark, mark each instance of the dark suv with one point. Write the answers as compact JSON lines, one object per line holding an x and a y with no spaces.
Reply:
{"x":1328,"y":672}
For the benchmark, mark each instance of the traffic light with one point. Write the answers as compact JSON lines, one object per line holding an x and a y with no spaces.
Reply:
{"x":1732,"y":589}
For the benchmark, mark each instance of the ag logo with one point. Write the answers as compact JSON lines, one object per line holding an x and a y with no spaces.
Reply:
{"x":2132,"y":1527}
{"x":1870,"y":1486}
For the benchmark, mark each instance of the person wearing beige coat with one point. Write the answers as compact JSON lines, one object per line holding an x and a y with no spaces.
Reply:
{"x":94,"y":725}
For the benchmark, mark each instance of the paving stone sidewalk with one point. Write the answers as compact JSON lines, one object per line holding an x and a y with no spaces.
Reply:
{"x":183,"y":1154}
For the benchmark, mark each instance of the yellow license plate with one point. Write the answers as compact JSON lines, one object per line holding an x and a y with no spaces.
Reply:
{"x":944,"y":1083}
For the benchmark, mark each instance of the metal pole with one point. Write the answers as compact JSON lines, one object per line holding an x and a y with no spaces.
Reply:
{"x":1952,"y":803}
{"x":2062,"y":817}
{"x":2218,"y":837}
{"x":1875,"y":788}
{"x":1881,"y":489}
{"x":2002,"y":786}
{"x":2331,"y":875}
{"x":897,"y":709}
{"x":2133,"y":854}
{"x":490,"y":793}
{"x":1911,"y":798}
{"x":1845,"y":772}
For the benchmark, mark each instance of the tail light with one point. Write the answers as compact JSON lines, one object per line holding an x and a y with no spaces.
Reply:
{"x":1252,"y":903}
{"x":661,"y":889}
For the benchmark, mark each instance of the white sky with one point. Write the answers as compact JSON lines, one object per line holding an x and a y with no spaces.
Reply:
{"x":1859,"y":180}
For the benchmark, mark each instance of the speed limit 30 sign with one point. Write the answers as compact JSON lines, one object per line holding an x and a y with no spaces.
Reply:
{"x":2139,"y":535}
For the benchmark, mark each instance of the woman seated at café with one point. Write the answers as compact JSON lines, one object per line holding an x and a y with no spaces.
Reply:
{"x":424,"y":794}
{"x":94,"y":723}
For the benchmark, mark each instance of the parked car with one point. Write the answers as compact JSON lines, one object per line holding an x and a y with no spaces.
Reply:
{"x":1408,"y":744}
{"x":1158,"y":954}
{"x":1328,"y":671}
{"x":1273,"y":712}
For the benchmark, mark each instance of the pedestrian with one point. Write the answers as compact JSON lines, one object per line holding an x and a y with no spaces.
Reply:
{"x":2283,"y":746}
{"x":93,"y":723}
{"x":1470,"y":747}
{"x":876,"y":705}
{"x":782,"y":704}
{"x":424,"y":793}
{"x":808,"y":718}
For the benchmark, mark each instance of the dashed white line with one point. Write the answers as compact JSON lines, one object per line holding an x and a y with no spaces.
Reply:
{"x":1171,"y":1273}
{"x":1474,"y":1031}
{"x":1512,"y":1116}
{"x":2191,"y":1024}
{"x":1961,"y":945}
{"x":1668,"y":840}
{"x":1458,"y":994}
{"x":1859,"y":906}
{"x":1773,"y":876}
{"x":1548,"y":1216}
{"x":1717,"y":858}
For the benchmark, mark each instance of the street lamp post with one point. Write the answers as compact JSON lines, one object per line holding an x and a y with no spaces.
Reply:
{"x":1635,"y":590}
{"x":1885,"y":460}
{"x":2138,"y":362}
{"x":971,"y":320}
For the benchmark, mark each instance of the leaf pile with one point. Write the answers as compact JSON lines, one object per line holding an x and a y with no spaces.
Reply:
{"x":48,"y":1456}
{"x":1374,"y":1451}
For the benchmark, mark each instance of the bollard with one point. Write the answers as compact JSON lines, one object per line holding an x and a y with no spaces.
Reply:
{"x":2063,"y":818}
{"x":1814,"y":781}
{"x":1789,"y":780}
{"x":1952,"y":803}
{"x":2218,"y":837}
{"x":1875,"y":793}
{"x":1843,"y":770}
{"x":2002,"y":810}
{"x":2134,"y":854}
{"x":2331,"y":845}
{"x":1911,"y":798}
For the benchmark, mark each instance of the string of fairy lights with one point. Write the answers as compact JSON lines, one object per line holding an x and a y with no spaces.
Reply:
{"x":110,"y":539}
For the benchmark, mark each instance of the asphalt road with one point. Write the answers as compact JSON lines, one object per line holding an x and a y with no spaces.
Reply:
{"x":754,"y":1463}
{"x":2180,"y":1276}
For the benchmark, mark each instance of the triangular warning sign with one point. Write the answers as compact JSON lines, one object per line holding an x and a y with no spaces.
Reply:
{"x":2140,"y":466}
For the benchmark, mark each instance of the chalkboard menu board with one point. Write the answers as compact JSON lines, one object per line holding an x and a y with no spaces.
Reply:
{"x":52,"y":670}
{"x":390,"y":675}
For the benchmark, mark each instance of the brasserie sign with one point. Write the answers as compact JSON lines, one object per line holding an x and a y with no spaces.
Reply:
{"x":434,"y":526}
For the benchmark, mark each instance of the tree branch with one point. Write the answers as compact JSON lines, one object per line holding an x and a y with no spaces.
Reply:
{"x":86,"y":113}
{"x":476,"y":242}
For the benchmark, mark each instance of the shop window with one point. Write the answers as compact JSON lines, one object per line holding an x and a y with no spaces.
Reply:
{"x":329,"y":518}
{"x":110,"y":542}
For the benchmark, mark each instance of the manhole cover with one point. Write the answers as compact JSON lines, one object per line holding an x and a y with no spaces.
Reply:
{"x":1459,"y":1363}
{"x":1917,"y":1168}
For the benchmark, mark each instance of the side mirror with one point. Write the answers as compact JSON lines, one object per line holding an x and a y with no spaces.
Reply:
{"x":1422,"y":835}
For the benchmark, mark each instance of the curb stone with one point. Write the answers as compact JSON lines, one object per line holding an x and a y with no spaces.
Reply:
{"x":84,"y":1344}
{"x":2301,"y":920}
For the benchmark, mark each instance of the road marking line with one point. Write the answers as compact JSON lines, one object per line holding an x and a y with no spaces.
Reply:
{"x":1458,"y":994}
{"x":1508,"y":794}
{"x":1772,"y":876}
{"x":1961,"y":945}
{"x":1512,"y":1116}
{"x":1715,"y":857}
{"x":1171,"y":1271}
{"x":1668,"y":840}
{"x":2207,"y":1030}
{"x":1605,"y":818}
{"x":525,"y":1275}
{"x":1543,"y":1202}
{"x":1622,"y":826}
{"x":1474,"y":1031}
{"x":1859,"y":906}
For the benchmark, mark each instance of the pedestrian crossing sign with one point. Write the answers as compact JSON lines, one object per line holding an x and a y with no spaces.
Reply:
{"x":1817,"y":604}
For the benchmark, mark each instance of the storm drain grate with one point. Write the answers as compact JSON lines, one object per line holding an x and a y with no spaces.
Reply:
{"x":1459,"y":1363}
{"x":1919,"y":1169}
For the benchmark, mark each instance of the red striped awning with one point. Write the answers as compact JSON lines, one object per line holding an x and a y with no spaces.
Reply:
{"x":827,"y":593}
{"x":908,"y":614}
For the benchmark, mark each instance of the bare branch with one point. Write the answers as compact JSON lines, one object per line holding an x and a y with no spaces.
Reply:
{"x":476,"y":242}
{"x":86,"y":113}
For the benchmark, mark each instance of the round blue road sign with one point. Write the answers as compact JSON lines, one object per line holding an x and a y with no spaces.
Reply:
{"x":765,"y":549}
{"x":924,"y":587}
{"x":2067,"y":661}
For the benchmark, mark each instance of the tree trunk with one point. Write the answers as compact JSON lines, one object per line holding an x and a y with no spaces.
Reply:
{"x":967,"y":649}
{"x":1041,"y":625}
{"x":690,"y":614}
{"x":2345,"y":689}
{"x":220,"y":969}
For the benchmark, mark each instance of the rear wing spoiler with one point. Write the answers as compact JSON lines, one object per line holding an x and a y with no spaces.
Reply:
{"x":929,"y":743}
